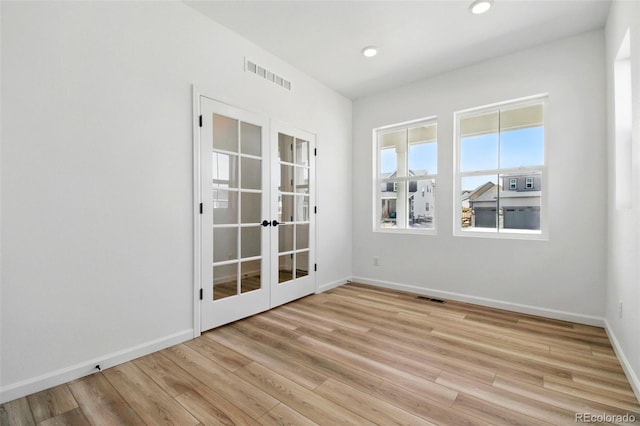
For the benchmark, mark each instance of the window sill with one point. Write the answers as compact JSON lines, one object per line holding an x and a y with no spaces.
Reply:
{"x":513,"y":234}
{"x":412,"y":231}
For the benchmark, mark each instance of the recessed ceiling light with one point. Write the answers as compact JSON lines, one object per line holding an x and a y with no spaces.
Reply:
{"x":370,"y":51}
{"x":480,"y":6}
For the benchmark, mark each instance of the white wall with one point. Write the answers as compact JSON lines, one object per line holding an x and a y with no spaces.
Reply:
{"x":97,"y":180}
{"x":562,"y":277}
{"x":623,"y":277}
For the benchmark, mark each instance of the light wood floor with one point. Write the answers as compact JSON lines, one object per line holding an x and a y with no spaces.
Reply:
{"x":355,"y":355}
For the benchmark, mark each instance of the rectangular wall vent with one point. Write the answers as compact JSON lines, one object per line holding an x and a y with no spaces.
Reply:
{"x":274,"y":78}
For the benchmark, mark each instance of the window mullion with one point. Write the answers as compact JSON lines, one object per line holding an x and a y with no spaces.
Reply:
{"x":402,"y":148}
{"x":498,"y":201}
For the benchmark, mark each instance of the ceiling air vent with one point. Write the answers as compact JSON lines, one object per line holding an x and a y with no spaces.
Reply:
{"x":256,"y":69}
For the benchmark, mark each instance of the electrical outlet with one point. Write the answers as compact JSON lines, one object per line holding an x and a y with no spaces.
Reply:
{"x":376,"y":261}
{"x":620,"y":308}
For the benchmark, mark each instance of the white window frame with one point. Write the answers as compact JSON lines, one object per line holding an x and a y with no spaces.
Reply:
{"x":513,"y":183}
{"x":378,"y":181}
{"x":529,"y":183}
{"x":458,"y":231}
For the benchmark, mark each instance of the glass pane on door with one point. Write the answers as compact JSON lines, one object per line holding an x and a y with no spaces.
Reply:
{"x":250,"y":241}
{"x":251,"y":276}
{"x":302,"y":152}
{"x":285,"y":238}
{"x":285,"y":208}
{"x":302,"y":264}
{"x":251,"y":202}
{"x":302,"y":236}
{"x":285,"y":148}
{"x":251,"y":139}
{"x":225,"y":207}
{"x":237,"y":207}
{"x":225,"y":244}
{"x":225,"y":281}
{"x":225,"y":133}
{"x":285,"y":268}
{"x":251,"y":176}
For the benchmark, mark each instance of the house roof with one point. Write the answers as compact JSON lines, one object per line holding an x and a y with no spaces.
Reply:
{"x":480,"y":190}
{"x":411,"y":173}
{"x":489,"y":194}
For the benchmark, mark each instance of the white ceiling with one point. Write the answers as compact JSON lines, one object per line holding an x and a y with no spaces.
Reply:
{"x":416,"y":39}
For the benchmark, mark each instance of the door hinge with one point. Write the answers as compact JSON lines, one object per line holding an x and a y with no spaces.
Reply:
{"x":315,"y":152}
{"x":315,"y":209}
{"x":201,"y":294}
{"x":200,"y":120}
{"x":315,"y":267}
{"x":201,"y":208}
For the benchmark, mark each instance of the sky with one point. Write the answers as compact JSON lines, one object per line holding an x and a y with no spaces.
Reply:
{"x":517,"y":148}
{"x":422,"y":156}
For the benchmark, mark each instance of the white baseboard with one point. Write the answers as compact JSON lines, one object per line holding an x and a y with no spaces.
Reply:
{"x":64,"y":375}
{"x":634,"y":381}
{"x":493,"y":303}
{"x":333,"y":284}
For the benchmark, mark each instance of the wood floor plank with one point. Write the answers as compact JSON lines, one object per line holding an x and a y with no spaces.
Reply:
{"x":286,"y":365}
{"x":16,"y":412}
{"x":492,"y":395}
{"x":226,"y":357}
{"x":558,"y":399}
{"x":302,"y":400}
{"x":309,"y":358}
{"x":211,"y":409}
{"x":545,"y":360}
{"x":74,"y":417}
{"x":580,"y":391}
{"x":355,"y":354}
{"x":493,"y":414}
{"x":51,"y":403}
{"x":414,"y":403}
{"x":248,"y":398}
{"x":148,"y":399}
{"x":282,"y":415}
{"x":604,"y":384}
{"x":367,"y":406}
{"x":101,"y":402}
{"x":167,"y":374}
{"x":424,"y":387}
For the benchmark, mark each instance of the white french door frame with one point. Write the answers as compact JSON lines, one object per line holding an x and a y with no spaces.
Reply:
{"x":197,"y":225}
{"x":197,"y":191}
{"x":299,"y":287}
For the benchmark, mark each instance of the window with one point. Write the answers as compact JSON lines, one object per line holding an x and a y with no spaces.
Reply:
{"x":623,"y":125}
{"x":528,"y":183}
{"x":500,"y":170}
{"x":406,"y":168}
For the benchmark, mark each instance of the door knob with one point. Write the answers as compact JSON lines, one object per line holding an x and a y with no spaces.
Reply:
{"x":275,"y":223}
{"x":266,"y":223}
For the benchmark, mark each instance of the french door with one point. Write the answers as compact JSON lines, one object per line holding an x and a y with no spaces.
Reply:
{"x":256,"y":227}
{"x":293,"y":245}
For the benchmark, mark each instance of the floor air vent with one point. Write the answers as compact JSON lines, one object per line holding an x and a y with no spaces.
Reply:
{"x":256,"y":69}
{"x":430,"y":299}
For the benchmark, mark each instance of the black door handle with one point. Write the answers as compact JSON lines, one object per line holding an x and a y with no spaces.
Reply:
{"x":275,"y":223}
{"x":266,"y":223}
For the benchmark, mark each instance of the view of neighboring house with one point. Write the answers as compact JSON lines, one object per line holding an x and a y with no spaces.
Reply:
{"x":515,"y":204}
{"x":420,"y":200}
